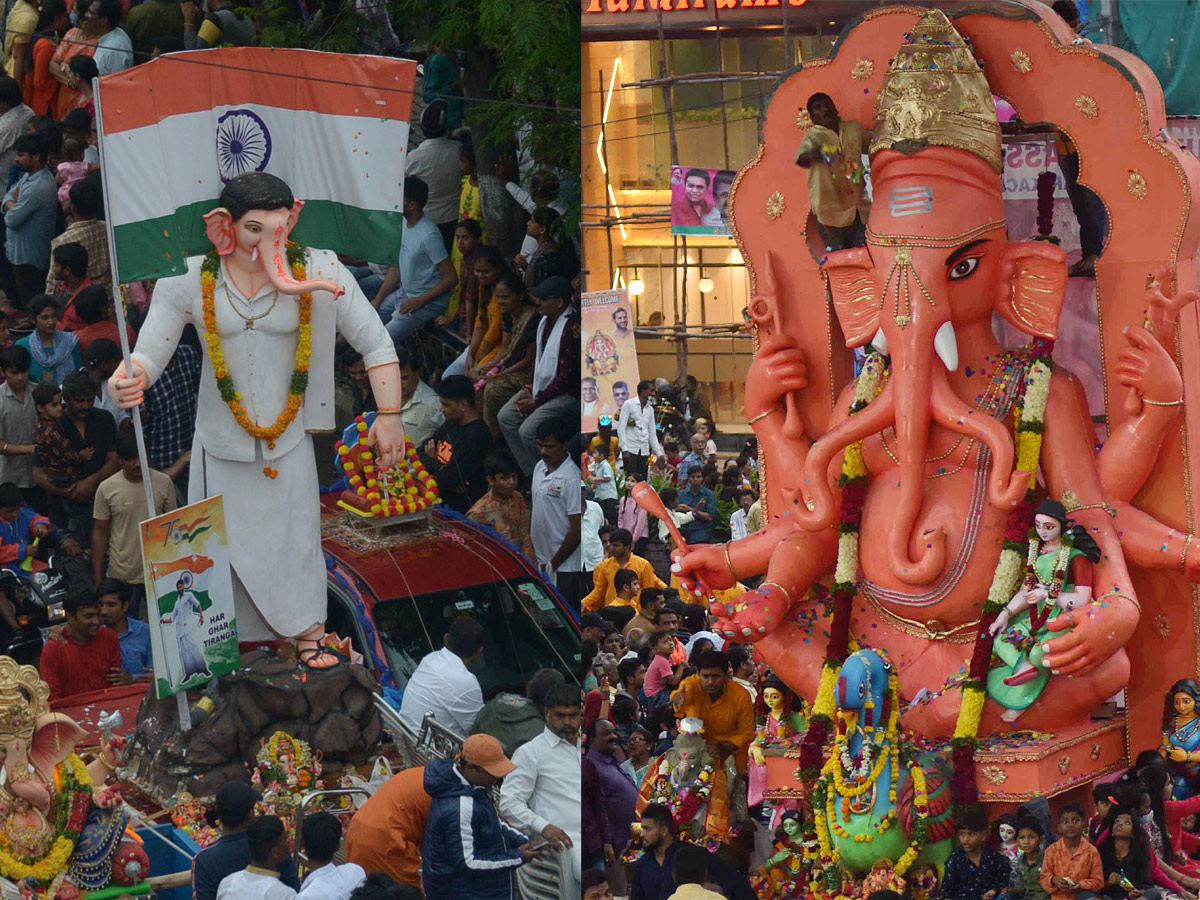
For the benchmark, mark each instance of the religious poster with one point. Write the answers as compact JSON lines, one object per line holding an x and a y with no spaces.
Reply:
{"x":700,"y":200}
{"x":189,"y":592}
{"x":610,"y":368}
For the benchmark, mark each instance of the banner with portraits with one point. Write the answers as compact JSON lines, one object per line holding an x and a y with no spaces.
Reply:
{"x":610,"y":367}
{"x":700,"y":200}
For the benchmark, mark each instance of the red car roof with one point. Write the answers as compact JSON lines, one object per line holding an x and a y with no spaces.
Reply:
{"x":450,"y":554}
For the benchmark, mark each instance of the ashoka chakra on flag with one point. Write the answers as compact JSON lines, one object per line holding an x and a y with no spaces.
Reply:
{"x":243,"y":144}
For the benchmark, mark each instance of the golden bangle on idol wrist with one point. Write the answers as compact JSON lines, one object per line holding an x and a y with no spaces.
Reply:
{"x":729,"y":563}
{"x":761,"y":415}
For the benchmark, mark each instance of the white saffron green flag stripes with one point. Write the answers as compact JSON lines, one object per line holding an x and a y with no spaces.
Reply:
{"x":333,"y":126}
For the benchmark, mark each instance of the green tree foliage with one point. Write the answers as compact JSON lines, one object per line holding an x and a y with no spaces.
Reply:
{"x":526,"y":52}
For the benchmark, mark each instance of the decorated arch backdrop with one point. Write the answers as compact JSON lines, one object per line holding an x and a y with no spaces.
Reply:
{"x":333,"y":126}
{"x":1104,"y":99}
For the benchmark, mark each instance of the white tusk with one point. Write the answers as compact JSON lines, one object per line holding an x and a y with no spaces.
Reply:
{"x":945,"y":344}
{"x":254,"y":255}
{"x":880,"y":343}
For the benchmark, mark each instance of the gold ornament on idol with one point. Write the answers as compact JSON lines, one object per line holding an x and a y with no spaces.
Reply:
{"x":935,"y":94}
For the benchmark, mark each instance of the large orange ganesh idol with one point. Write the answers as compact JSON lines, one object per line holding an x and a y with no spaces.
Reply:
{"x":902,"y":503}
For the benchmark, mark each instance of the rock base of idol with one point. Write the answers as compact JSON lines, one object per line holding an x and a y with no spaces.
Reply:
{"x":333,"y":710}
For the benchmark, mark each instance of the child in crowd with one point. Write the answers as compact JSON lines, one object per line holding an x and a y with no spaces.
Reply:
{"x":1125,"y":855}
{"x":605,"y":438}
{"x":605,"y":532}
{"x":1026,"y":880}
{"x":52,"y":449}
{"x":682,"y":515}
{"x":20,"y":526}
{"x":1104,"y":798}
{"x":975,"y":871}
{"x":73,"y":169}
{"x":627,"y":586}
{"x":737,"y":521}
{"x":661,"y":676}
{"x":604,"y":483}
{"x":1071,"y":865}
{"x":662,"y":466}
{"x":503,"y":508}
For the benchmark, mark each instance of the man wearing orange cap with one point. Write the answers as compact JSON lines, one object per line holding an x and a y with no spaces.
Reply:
{"x":469,"y":853}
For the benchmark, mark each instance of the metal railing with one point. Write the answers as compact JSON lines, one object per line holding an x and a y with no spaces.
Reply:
{"x":313,"y":797}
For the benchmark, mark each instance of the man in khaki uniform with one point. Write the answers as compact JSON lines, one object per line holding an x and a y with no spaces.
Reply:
{"x":832,"y":151}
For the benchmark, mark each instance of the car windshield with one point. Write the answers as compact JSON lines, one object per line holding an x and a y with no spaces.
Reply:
{"x":524,"y":630}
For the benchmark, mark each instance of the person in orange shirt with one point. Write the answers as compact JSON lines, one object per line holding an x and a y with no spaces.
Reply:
{"x":603,"y":595}
{"x":723,"y":705}
{"x":387,"y":833}
{"x":1071,"y":866}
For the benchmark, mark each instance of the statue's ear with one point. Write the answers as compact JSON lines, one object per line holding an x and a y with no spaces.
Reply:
{"x":218,"y":225}
{"x":54,"y":737}
{"x":855,"y":294}
{"x":1031,"y":281}
{"x":294,"y":215}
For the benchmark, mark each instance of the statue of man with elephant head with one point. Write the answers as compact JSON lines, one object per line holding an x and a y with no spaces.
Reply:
{"x":268,"y":313}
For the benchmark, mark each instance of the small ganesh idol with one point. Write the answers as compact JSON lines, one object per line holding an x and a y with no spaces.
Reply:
{"x":883,"y":877}
{"x":1181,"y":736}
{"x":1058,"y":578}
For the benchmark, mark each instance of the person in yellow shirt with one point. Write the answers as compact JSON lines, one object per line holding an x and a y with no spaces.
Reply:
{"x":723,"y":705}
{"x":604,"y":593}
{"x":18,"y":32}
{"x":831,"y":151}
{"x":690,"y":868}
{"x":605,"y":438}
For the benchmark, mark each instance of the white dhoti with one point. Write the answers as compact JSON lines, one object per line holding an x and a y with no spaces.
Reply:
{"x":274,"y":527}
{"x":273,"y":524}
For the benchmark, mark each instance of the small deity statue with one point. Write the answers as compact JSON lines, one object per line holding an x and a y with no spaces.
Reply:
{"x":882,"y":877}
{"x":785,"y":873}
{"x":925,"y":883}
{"x":783,"y":723}
{"x":1058,"y":579}
{"x":1181,"y":736}
{"x":689,"y":782}
{"x":1006,"y":831}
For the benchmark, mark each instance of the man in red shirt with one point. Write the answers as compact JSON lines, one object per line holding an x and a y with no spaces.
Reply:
{"x":90,"y":657}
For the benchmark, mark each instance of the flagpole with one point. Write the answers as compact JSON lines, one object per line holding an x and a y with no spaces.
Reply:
{"x":185,"y":717}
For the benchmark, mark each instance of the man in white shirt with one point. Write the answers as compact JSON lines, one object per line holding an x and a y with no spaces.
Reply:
{"x":541,"y":796}
{"x":737,"y":521}
{"x":421,"y":411}
{"x":636,"y":431}
{"x":268,"y":845}
{"x":435,"y":161}
{"x":322,"y":835}
{"x":591,"y":547}
{"x":442,"y":683}
{"x":555,"y":522}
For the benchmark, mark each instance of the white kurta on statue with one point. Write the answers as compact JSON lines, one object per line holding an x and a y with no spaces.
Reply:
{"x":273,"y":524}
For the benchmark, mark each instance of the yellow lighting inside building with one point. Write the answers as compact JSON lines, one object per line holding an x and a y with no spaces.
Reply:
{"x":706,"y":285}
{"x":637,"y":286}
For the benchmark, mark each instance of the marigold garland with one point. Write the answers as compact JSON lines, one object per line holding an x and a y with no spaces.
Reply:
{"x":76,"y":800}
{"x":298,"y":384}
{"x":1031,"y":414}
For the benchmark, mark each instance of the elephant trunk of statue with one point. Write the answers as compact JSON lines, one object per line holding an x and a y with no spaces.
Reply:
{"x":275,"y":265}
{"x":18,"y":777}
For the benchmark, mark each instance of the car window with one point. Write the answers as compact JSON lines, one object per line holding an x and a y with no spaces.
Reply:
{"x":524,"y":630}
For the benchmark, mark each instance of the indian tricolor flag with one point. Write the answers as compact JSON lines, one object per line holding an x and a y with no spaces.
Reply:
{"x":333,"y":126}
{"x":194,"y":570}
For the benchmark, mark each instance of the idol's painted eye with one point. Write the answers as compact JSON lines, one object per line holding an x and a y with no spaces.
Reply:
{"x":964,"y":268}
{"x":862,"y":691}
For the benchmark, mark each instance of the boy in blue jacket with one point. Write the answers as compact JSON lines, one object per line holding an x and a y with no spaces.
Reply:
{"x":469,"y":853}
